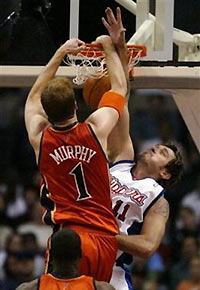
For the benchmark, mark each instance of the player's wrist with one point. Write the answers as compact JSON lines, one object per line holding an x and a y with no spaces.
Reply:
{"x":61,"y":52}
{"x":106,"y":42}
{"x":121,"y":46}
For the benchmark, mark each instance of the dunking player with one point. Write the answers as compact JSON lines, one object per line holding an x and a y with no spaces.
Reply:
{"x":66,"y":252}
{"x":71,"y":158}
{"x":137,"y":196}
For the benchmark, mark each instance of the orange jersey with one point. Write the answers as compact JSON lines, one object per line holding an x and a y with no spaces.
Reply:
{"x":76,"y":189}
{"x":50,"y":282}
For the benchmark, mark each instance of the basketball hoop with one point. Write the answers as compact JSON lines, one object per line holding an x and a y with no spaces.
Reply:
{"x":91,"y":62}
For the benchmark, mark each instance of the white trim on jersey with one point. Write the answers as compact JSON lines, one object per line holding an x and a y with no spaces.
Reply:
{"x":131,"y":200}
{"x":121,"y":279}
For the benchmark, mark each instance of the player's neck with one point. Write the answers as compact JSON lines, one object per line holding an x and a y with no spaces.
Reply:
{"x":67,"y":122}
{"x":64,"y":271}
{"x":140,"y":172}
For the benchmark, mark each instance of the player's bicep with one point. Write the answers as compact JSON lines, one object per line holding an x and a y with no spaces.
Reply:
{"x":120,"y":146}
{"x":155,"y":222}
{"x":35,"y":121}
{"x":103,"y":121}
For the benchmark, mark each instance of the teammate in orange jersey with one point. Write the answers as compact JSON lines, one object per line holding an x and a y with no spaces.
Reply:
{"x":72,"y":158}
{"x":66,"y":252}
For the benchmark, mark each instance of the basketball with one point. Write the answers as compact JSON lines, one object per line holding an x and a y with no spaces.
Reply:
{"x":94,"y":89}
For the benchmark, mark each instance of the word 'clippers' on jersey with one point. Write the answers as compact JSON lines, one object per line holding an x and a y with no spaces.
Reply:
{"x":131,"y":198}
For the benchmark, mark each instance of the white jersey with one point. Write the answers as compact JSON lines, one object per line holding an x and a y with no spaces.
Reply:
{"x":131,"y":199}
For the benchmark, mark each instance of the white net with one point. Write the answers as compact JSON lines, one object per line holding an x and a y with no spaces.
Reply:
{"x":92,"y":63}
{"x":86,"y":67}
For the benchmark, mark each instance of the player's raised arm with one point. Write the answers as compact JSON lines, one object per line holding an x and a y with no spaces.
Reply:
{"x":145,"y":244}
{"x":112,"y":103}
{"x":119,"y":142}
{"x":35,"y":117}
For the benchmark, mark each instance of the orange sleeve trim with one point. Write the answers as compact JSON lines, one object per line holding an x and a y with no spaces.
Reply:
{"x":114,"y":100}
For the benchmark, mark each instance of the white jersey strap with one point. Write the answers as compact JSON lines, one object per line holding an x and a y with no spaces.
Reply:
{"x":161,"y":194}
{"x":122,"y":162}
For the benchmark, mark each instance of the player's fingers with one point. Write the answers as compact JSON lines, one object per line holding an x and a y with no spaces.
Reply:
{"x":110,"y":16}
{"x":123,"y":30}
{"x":119,"y":18}
{"x":81,"y":47}
{"x":105,"y":23}
{"x":76,"y":50}
{"x":80,"y":42}
{"x":109,"y":20}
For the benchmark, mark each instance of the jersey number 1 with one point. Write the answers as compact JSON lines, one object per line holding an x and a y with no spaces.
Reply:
{"x":79,"y":178}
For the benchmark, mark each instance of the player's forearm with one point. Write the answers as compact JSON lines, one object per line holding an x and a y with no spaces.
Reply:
{"x":47,"y":74}
{"x":122,"y":52}
{"x":138,"y":245}
{"x":115,"y":70}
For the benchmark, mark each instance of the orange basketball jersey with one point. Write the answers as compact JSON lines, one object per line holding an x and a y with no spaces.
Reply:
{"x":50,"y":282}
{"x":76,"y":188}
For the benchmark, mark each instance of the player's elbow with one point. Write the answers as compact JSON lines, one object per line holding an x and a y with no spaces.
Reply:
{"x":148,"y":250}
{"x":120,"y":87}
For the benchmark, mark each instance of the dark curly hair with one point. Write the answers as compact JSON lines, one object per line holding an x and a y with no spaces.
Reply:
{"x":174,"y":167}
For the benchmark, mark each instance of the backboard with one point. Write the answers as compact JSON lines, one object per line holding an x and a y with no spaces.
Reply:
{"x":152,"y":25}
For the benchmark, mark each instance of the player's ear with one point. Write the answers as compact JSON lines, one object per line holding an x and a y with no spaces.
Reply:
{"x":165,"y":174}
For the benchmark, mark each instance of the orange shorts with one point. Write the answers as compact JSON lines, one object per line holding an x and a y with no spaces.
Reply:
{"x":98,"y":254}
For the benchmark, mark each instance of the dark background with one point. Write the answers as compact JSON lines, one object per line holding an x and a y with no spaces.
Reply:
{"x":32,"y":36}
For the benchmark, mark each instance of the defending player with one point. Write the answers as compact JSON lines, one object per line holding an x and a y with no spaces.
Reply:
{"x":66,"y":252}
{"x":72,"y":158}
{"x":137,"y":196}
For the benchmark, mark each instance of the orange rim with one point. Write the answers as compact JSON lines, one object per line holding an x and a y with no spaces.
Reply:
{"x":96,"y":50}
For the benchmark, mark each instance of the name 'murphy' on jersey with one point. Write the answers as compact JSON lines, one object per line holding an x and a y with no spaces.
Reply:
{"x":63,"y":153}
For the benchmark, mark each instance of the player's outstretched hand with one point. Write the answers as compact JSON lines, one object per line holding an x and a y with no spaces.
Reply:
{"x":73,"y":45}
{"x":115,"y":27}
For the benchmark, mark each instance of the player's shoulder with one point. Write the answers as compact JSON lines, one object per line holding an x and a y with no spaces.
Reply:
{"x":103,"y":286}
{"x":152,"y":185}
{"x":161,"y":207}
{"x":121,"y":166}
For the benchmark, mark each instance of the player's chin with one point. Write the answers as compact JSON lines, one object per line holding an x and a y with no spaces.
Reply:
{"x":144,"y":156}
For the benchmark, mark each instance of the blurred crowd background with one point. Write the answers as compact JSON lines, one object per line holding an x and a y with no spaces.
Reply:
{"x":154,"y":119}
{"x":31,"y":36}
